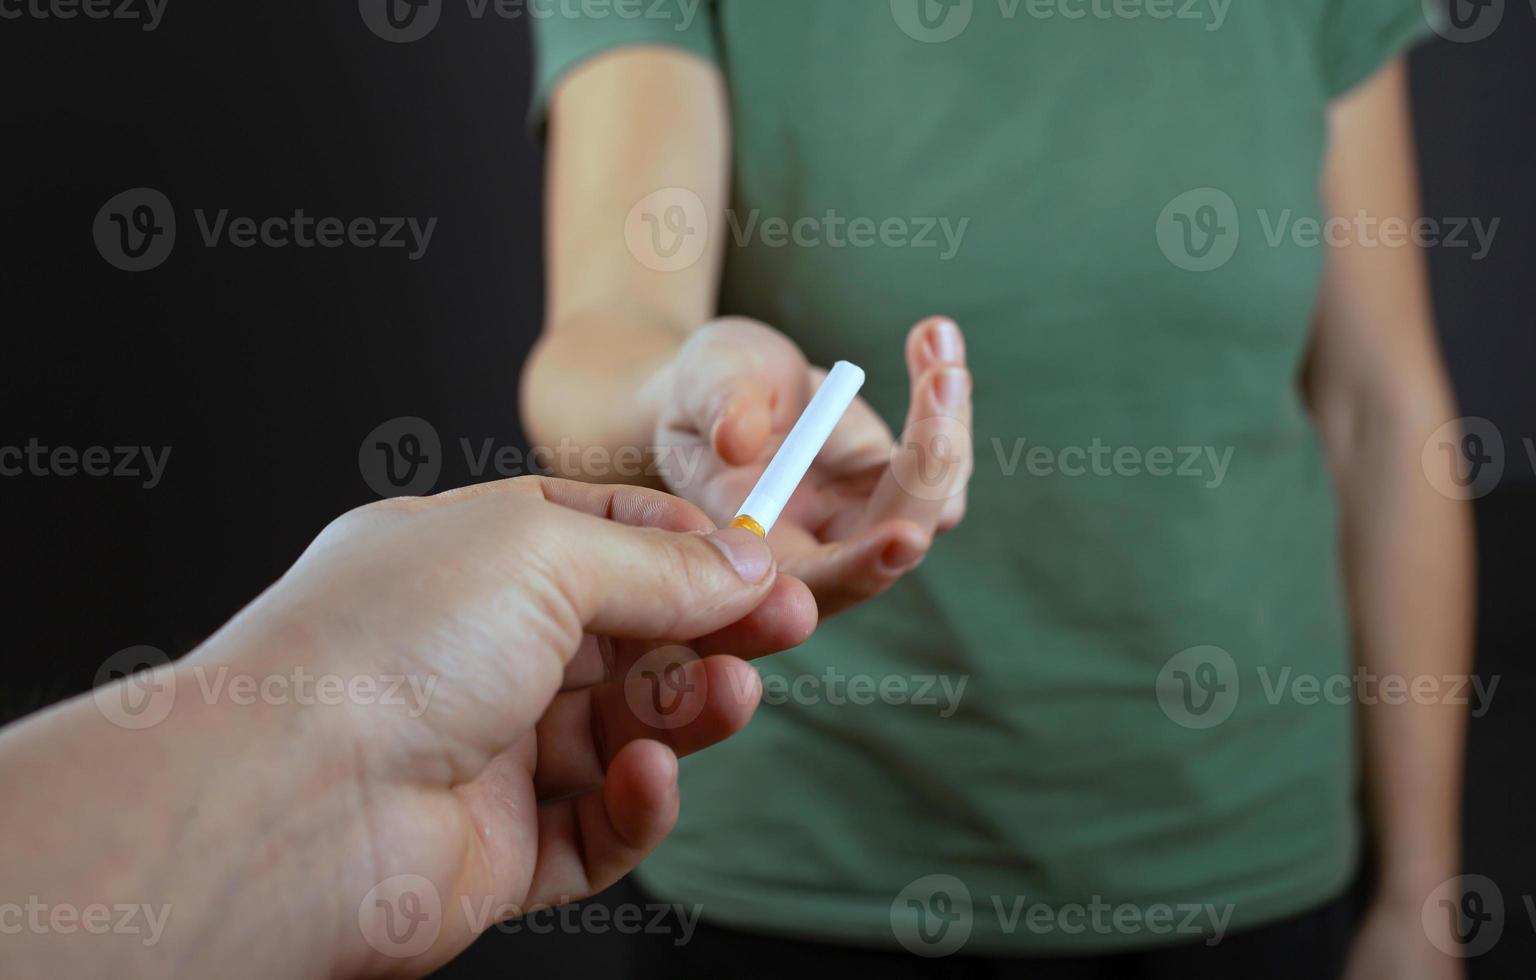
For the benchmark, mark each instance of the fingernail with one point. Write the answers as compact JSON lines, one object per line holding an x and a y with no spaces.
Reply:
{"x":950,"y":387}
{"x":722,"y":415}
{"x":899,"y":556}
{"x":747,"y":553}
{"x":944,"y":342}
{"x":754,"y":688}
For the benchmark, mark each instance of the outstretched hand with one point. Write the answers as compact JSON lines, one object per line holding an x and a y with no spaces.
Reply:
{"x":870,"y":507}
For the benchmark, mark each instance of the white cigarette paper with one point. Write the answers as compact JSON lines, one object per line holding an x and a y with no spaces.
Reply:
{"x":811,"y":432}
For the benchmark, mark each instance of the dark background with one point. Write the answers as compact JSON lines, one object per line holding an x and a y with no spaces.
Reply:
{"x":264,"y":369}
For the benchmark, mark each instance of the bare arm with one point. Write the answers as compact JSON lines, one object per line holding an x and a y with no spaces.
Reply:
{"x":1379,"y":390}
{"x":631,"y":362}
{"x":622,"y":127}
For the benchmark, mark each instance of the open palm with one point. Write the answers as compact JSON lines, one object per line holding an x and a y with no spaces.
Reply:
{"x":870,"y":506}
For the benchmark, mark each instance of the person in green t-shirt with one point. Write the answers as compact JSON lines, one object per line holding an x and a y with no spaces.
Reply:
{"x":1185,"y":457}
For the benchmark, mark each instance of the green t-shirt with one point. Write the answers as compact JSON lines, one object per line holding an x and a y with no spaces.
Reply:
{"x":1115,"y":207}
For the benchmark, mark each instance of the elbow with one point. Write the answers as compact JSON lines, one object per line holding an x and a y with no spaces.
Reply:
{"x":1395,"y":419}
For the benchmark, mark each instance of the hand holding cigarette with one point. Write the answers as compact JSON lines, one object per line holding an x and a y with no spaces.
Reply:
{"x":526,"y":758}
{"x":860,"y":518}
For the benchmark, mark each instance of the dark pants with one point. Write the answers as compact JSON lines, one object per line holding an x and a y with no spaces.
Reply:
{"x":1311,"y":945}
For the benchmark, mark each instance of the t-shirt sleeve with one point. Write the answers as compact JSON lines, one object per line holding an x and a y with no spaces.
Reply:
{"x":1359,"y":36}
{"x":566,"y":35}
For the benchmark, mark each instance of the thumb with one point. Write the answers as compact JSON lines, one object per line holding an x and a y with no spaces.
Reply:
{"x":738,"y":382}
{"x":649,"y":584}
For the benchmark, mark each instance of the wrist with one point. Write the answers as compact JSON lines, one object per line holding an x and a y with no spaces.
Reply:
{"x":261,"y":811}
{"x":600,"y":379}
{"x":1405,"y":881}
{"x":222,"y":820}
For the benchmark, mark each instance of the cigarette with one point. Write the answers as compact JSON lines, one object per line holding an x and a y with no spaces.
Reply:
{"x":789,"y":464}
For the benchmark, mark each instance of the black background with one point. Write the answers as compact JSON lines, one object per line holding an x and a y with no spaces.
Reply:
{"x":264,"y":369}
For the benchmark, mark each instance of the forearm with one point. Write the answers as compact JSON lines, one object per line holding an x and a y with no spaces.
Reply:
{"x":625,"y":127}
{"x":1379,"y":389}
{"x":171,"y":850}
{"x":1408,"y":556}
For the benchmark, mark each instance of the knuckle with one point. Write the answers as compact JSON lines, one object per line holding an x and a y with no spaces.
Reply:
{"x":695,"y":571}
{"x":689,"y":566}
{"x":527,"y":483}
{"x":361,"y":518}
